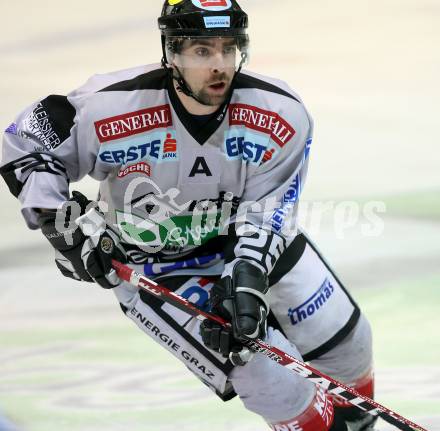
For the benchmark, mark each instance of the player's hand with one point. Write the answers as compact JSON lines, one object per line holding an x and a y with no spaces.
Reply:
{"x":241,"y":299}
{"x":78,"y":256}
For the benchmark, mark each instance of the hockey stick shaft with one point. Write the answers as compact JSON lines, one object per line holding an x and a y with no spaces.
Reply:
{"x":331,"y":385}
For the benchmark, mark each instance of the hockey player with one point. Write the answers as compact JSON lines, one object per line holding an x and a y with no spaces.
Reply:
{"x":200,"y":165}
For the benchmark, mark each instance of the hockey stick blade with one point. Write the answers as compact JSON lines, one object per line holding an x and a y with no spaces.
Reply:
{"x":304,"y":370}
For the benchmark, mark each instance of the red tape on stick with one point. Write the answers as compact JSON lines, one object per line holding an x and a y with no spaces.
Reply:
{"x":131,"y":276}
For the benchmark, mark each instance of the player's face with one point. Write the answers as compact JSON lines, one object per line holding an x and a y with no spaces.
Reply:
{"x":208,"y":66}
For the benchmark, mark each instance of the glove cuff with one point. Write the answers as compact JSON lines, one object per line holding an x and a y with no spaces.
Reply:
{"x":46,"y":216}
{"x":59,"y":226}
{"x":250,"y":279}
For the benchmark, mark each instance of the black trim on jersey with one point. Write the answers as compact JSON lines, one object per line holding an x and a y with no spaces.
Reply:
{"x":153,"y":80}
{"x":201,"y":120}
{"x":26,"y":165}
{"x":244,"y":81}
{"x":336,"y":339}
{"x":288,"y":259}
{"x":14,"y":184}
{"x":200,"y":133}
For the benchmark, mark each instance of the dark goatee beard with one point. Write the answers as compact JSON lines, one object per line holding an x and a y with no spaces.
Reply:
{"x":207,"y":99}
{"x":211,"y":100}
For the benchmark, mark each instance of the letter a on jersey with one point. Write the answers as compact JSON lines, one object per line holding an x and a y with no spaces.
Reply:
{"x":200,"y":168}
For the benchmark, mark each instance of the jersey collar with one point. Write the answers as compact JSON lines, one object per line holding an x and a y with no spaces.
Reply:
{"x":200,"y":133}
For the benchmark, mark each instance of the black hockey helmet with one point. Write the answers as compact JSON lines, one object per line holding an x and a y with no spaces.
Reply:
{"x":202,"y":18}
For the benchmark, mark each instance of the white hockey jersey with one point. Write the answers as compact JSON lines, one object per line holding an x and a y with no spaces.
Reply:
{"x":180,"y":194}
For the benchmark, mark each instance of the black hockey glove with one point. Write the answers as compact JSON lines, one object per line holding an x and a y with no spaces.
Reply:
{"x":78,"y":256}
{"x":241,"y":300}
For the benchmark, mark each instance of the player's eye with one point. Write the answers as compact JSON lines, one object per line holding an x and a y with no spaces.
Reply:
{"x":229,"y":50}
{"x":202,"y":52}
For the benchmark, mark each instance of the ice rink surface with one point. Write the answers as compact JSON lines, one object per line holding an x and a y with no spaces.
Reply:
{"x":368,"y":72}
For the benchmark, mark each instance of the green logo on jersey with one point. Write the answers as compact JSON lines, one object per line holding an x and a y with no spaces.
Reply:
{"x":176,"y":231}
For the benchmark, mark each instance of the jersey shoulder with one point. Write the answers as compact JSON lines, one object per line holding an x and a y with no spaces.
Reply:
{"x":271,"y":97}
{"x":251,"y":80}
{"x":135,"y":78}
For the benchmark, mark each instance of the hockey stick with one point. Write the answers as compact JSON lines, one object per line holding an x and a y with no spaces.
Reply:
{"x":91,"y":223}
{"x":331,"y":385}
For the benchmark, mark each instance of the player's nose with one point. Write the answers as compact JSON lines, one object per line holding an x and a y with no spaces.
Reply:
{"x":218,"y":62}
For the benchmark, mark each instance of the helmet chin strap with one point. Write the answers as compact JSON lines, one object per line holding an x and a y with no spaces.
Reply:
{"x":183,"y":86}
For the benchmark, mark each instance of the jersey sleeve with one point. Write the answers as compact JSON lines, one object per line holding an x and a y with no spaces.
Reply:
{"x":42,"y":152}
{"x":266,"y":220}
{"x":41,"y":155}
